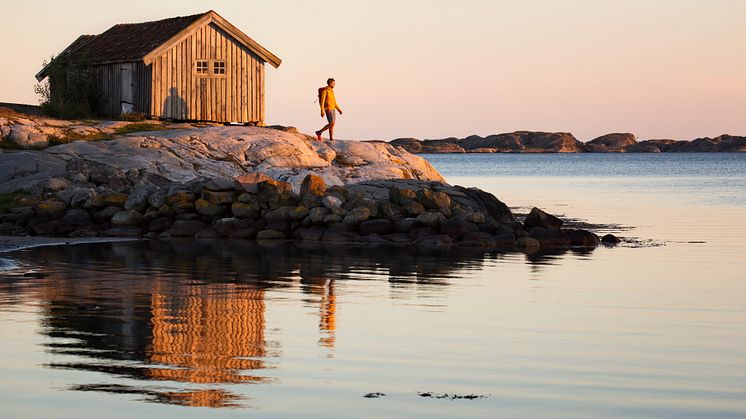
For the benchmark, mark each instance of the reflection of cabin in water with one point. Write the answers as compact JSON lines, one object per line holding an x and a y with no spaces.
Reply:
{"x":197,"y":67}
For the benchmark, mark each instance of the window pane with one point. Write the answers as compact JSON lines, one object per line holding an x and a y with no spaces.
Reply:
{"x":218,"y":67}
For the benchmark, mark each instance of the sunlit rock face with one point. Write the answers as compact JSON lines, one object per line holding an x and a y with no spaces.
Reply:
{"x":183,"y":155}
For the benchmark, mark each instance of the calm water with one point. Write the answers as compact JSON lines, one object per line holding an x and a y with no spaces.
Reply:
{"x":233,"y":329}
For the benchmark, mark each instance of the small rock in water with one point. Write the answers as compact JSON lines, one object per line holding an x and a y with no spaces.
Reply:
{"x":610,"y":240}
{"x":374,"y":395}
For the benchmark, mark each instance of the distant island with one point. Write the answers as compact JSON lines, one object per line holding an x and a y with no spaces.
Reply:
{"x":563,"y":142}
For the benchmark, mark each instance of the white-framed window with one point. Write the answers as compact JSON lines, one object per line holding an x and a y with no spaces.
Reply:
{"x":201,"y":67}
{"x":218,"y":67}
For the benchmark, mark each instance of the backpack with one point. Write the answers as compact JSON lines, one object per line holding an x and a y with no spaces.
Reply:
{"x":321,"y":92}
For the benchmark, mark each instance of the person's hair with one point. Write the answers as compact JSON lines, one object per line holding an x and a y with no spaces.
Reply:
{"x":329,"y":81}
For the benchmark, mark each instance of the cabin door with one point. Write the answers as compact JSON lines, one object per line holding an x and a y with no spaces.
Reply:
{"x":127,"y":97}
{"x":203,"y":99}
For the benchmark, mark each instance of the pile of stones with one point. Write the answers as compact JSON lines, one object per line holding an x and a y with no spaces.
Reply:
{"x":387,"y":212}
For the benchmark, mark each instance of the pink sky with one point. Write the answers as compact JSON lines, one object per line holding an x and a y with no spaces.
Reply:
{"x":433,"y":69}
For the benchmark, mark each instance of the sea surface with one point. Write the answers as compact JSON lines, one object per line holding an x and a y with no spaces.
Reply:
{"x":654,"y":328}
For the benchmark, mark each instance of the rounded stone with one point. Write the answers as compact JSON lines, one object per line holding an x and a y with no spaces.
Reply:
{"x":206,"y":208}
{"x":431,"y":219}
{"x":126,"y":218}
{"x":332,"y":202}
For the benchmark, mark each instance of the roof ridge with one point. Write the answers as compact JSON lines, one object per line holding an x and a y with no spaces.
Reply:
{"x":162,"y":20}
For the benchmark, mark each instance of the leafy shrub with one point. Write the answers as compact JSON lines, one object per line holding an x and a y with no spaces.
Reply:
{"x":69,"y":92}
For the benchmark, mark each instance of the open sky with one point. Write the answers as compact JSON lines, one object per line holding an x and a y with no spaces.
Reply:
{"x":434,"y":69}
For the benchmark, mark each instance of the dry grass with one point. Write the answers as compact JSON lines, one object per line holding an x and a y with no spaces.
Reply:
{"x":127,"y":129}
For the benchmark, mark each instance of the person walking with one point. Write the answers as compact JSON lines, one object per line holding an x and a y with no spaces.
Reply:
{"x":329,"y":108}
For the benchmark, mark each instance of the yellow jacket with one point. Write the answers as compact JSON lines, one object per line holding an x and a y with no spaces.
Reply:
{"x":328,"y":102}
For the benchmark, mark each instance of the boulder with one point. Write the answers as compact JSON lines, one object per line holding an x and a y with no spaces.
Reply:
{"x":43,"y":227}
{"x":218,"y":197}
{"x":399,"y":195}
{"x":186,"y":228}
{"x":249,"y":232}
{"x":406,"y":225}
{"x":390,"y":210}
{"x":437,"y":240}
{"x":317,"y":214}
{"x":26,"y":136}
{"x":550,"y":237}
{"x":539,"y":218}
{"x":582,"y":238}
{"x":433,"y":200}
{"x":332,"y":202}
{"x":74,"y":219}
{"x":456,"y":227}
{"x":249,"y":181}
{"x":431,"y":219}
{"x":314,"y":185}
{"x":331,"y":219}
{"x":412,"y":207}
{"x":610,"y":240}
{"x":160,"y":224}
{"x":379,"y":226}
{"x":224,"y":227}
{"x":311,"y":234}
{"x":503,"y":240}
{"x":182,"y":207}
{"x":476,"y":218}
{"x":280,"y":214}
{"x":50,"y":209}
{"x":208,"y":209}
{"x":527,"y":245}
{"x":80,"y":196}
{"x":175,"y":196}
{"x":337,"y":234}
{"x":157,"y":198}
{"x":107,"y":213}
{"x":356,"y":216}
{"x":138,"y":197}
{"x":108,"y":199}
{"x":127,"y":219}
{"x":219,"y":184}
{"x":56,"y":184}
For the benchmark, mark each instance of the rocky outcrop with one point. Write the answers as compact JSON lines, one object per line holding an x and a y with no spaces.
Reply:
{"x":516,"y":142}
{"x":393,"y":212}
{"x":611,"y":143}
{"x":188,"y":154}
{"x":34,"y":132}
{"x":542,"y":142}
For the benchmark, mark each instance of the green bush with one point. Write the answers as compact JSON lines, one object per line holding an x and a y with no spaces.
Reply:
{"x":69,"y":92}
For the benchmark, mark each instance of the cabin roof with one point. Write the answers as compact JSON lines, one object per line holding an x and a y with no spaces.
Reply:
{"x":126,"y":42}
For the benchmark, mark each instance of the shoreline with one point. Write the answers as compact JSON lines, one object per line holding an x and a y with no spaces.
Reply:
{"x":14,"y":243}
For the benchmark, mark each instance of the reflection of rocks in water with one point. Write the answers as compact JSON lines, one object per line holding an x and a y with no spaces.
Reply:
{"x":193,"y":312}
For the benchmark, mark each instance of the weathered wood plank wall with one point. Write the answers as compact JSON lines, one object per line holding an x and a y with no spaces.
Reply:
{"x":108,"y":79}
{"x":178,"y":92}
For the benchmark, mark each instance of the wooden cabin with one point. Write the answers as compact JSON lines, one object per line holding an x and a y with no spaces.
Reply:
{"x":197,"y":68}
